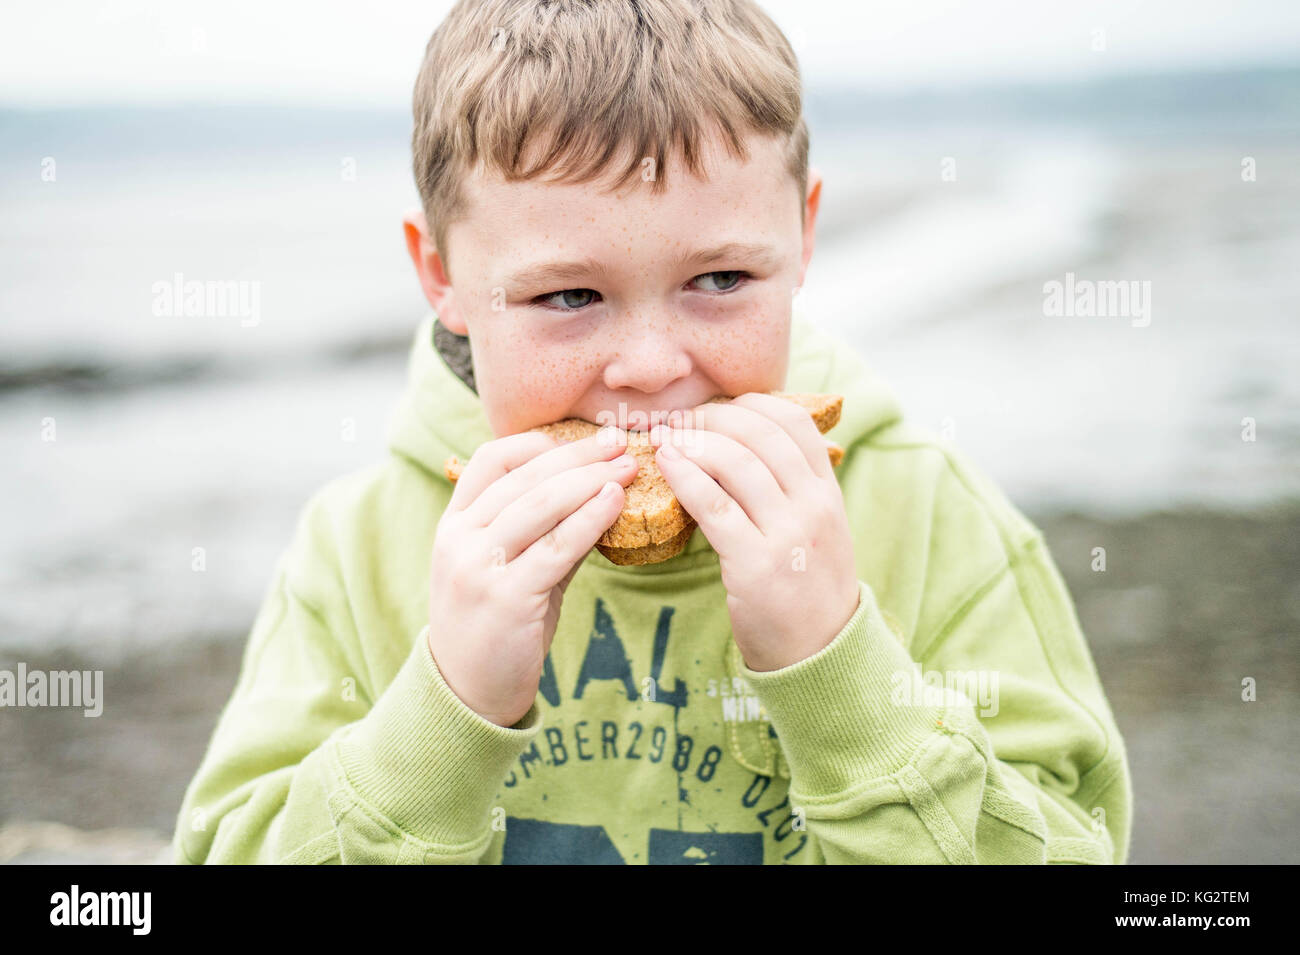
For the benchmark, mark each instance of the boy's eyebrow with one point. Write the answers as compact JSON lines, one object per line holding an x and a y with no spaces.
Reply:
{"x":754,"y":252}
{"x":548,"y":273}
{"x":545,"y":273}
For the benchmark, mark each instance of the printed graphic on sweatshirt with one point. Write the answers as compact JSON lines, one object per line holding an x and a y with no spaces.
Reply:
{"x":646,"y":766}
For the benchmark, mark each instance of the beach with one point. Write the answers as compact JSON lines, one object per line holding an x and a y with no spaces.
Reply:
{"x":157,"y":461}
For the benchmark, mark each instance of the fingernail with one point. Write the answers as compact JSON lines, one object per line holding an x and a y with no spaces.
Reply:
{"x":669,"y":453}
{"x":608,"y":490}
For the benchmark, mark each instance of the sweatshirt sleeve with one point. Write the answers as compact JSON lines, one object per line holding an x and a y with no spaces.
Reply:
{"x":996,"y":745}
{"x":302,"y":769}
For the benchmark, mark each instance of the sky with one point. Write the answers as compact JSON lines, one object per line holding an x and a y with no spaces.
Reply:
{"x":330,"y":52}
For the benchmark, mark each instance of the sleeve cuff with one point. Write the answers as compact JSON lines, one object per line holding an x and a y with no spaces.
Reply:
{"x":426,"y":760}
{"x":839,"y":715}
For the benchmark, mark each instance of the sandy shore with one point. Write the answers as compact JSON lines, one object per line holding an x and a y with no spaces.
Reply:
{"x":1190,"y":605}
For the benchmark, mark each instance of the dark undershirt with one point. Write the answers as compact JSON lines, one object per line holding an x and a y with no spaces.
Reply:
{"x":454,"y":350}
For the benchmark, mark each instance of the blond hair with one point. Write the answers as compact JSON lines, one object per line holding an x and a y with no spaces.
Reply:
{"x":575,"y":83}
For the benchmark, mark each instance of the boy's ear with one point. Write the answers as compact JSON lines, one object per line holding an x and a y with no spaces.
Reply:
{"x":811,"y":204}
{"x":431,"y":270}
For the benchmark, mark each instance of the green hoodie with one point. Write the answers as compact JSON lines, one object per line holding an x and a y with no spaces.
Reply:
{"x":957,"y":717}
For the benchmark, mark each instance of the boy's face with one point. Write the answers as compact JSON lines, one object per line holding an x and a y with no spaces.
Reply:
{"x":577,"y":301}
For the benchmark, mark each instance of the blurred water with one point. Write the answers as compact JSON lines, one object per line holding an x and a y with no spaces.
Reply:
{"x":1113,"y":415}
{"x":177,"y":433}
{"x":306,"y":203}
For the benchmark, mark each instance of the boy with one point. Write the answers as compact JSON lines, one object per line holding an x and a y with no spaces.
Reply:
{"x":878,"y":663}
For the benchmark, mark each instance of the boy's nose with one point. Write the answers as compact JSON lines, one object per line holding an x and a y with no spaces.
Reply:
{"x":646,"y":359}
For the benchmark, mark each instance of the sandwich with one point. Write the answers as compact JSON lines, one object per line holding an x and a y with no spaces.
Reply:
{"x":653,"y":526}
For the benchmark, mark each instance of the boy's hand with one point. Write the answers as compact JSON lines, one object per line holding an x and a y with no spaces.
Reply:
{"x":755,"y":475}
{"x":524,"y":514}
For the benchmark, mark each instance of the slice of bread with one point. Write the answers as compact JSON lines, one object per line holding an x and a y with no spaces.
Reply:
{"x":653,"y":526}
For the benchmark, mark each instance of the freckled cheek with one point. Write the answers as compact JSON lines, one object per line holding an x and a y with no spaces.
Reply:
{"x":750,"y":351}
{"x":532,"y":384}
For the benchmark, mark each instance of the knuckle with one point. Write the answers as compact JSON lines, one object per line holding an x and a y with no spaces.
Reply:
{"x":540,"y":498}
{"x":813,"y":512}
{"x":749,"y":460}
{"x":446,"y":544}
{"x":553,"y":542}
{"x":769,"y":430}
{"x":768,"y":565}
{"x":496,"y":556}
{"x":830,"y":502}
{"x":447,"y":529}
{"x":461,"y":578}
{"x":721,"y":506}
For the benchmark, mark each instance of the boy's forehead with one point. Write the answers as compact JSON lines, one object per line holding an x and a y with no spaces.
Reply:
{"x":733,"y":197}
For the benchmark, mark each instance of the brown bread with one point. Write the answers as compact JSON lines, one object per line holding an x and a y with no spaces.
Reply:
{"x":653,"y":526}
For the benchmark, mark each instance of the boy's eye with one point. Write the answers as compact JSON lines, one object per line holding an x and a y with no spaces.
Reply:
{"x":571,"y":299}
{"x":574,"y":299}
{"x":722,"y":281}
